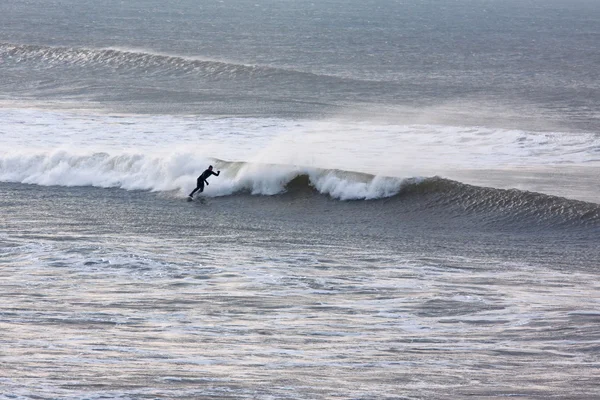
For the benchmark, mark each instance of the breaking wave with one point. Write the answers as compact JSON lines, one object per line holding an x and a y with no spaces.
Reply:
{"x":177,"y":173}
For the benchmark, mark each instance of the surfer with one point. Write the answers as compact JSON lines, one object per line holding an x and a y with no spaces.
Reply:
{"x":202,"y":179}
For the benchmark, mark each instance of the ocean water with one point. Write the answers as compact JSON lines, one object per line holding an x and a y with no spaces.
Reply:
{"x":407,"y":206}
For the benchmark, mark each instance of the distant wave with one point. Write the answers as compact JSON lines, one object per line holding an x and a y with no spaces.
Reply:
{"x":148,"y":62}
{"x":177,"y":173}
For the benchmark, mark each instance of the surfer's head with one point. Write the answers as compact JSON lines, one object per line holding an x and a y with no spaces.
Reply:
{"x":210,"y":167}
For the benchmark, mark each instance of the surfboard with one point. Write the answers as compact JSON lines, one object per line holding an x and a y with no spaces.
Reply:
{"x":200,"y":199}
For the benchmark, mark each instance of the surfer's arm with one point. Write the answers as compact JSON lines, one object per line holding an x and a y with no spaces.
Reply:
{"x":216,"y":174}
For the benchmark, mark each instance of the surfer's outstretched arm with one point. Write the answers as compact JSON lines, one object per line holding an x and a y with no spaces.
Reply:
{"x":215,"y":174}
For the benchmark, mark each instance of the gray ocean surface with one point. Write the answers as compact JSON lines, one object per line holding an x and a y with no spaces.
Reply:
{"x":531,"y":61}
{"x":408,"y":204}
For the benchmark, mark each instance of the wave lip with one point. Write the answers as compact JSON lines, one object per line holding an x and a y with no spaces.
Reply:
{"x":272,"y":179}
{"x":120,"y":59}
{"x":130,"y":60}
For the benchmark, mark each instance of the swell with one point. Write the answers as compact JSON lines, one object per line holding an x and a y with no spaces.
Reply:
{"x":133,"y":61}
{"x":497,"y":207}
{"x":420,"y":196}
{"x":501,"y":207}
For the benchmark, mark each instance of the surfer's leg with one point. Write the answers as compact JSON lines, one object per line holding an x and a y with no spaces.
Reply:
{"x":199,"y":188}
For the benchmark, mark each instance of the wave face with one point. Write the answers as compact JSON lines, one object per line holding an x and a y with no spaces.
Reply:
{"x":502,"y":207}
{"x":177,"y":174}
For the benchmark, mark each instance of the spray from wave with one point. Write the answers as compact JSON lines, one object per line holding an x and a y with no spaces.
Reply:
{"x":178,"y":172}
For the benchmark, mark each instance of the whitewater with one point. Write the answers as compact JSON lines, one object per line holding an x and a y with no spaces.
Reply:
{"x":263,"y":155}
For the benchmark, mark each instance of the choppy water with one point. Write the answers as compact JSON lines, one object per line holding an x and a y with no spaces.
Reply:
{"x":408,"y":204}
{"x":136,"y":295}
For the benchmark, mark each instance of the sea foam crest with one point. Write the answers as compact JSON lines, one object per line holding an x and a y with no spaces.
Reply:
{"x":177,"y":172}
{"x":133,"y":59}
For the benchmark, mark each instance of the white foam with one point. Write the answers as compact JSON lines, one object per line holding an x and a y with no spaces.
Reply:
{"x":261,"y":179}
{"x":167,"y":153}
{"x":124,"y":170}
{"x":178,"y":172}
{"x":347,"y":189}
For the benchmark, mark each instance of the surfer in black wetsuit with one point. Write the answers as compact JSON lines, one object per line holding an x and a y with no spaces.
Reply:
{"x":202,"y":179}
